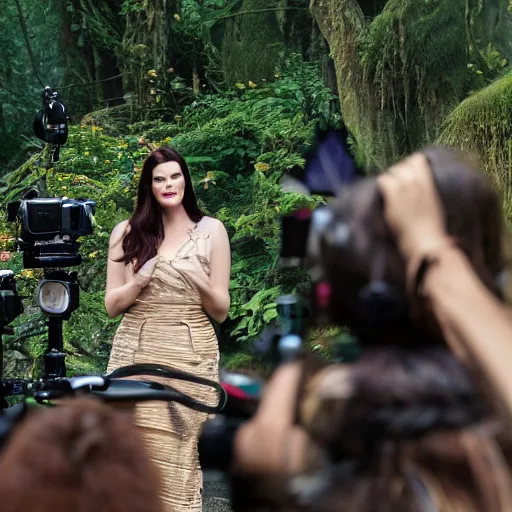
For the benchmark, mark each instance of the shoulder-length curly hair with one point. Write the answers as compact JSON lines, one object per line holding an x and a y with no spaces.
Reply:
{"x":146,"y":231}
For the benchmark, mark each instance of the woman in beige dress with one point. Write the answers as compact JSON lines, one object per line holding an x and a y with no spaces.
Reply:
{"x":168,"y":271}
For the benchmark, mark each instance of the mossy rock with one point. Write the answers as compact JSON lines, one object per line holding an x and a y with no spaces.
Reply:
{"x":482,"y":126}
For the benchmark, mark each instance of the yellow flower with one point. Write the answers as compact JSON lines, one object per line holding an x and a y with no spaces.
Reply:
{"x":93,"y":255}
{"x":177,"y":17}
{"x":262,"y":166}
{"x":209,"y":178}
{"x":107,"y":162}
{"x":86,"y":153}
{"x":64,"y":187}
{"x":240,"y":86}
{"x":152,"y":72}
{"x":252,"y":85}
{"x":27,"y":273}
{"x":168,"y":140}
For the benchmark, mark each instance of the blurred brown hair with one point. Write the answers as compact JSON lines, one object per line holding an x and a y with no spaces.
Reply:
{"x":82,"y":456}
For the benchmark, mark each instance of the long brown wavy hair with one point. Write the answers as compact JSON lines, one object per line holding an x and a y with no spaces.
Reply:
{"x":146,"y":229}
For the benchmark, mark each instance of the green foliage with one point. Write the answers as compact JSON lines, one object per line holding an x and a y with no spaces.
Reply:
{"x":240,"y":361}
{"x":238,"y":146}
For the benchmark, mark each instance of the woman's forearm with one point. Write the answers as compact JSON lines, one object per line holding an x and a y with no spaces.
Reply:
{"x":121,"y":298}
{"x":215,"y":302}
{"x":476,"y":325}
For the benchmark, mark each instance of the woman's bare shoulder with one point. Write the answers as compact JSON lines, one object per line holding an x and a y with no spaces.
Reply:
{"x":211,"y":224}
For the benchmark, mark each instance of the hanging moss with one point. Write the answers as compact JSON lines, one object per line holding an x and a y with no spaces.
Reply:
{"x":415,"y":57}
{"x":482,"y":125}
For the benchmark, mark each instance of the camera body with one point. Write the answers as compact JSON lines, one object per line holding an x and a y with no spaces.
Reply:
{"x":49,"y":229}
{"x":45,"y":219}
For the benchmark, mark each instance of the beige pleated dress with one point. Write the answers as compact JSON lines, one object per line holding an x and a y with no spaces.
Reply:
{"x":167,"y":325}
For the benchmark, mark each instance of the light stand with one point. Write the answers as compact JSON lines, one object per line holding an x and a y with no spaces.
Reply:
{"x":58,"y":296}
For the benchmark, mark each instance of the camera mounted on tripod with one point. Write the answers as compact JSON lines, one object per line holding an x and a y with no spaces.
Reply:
{"x":49,"y":229}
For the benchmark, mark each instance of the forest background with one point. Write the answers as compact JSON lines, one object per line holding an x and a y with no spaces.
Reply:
{"x":239,"y":87}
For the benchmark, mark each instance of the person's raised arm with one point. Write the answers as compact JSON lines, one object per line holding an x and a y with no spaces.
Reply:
{"x":123,"y":286}
{"x":476,"y":324}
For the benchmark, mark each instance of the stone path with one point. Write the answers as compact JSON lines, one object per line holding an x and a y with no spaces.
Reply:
{"x":216,"y":492}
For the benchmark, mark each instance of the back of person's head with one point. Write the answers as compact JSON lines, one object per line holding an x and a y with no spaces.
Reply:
{"x":82,"y":456}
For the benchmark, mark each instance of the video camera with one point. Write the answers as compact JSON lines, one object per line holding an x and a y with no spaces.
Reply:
{"x":49,"y":229}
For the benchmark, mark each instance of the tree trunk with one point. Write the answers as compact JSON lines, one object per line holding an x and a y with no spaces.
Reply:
{"x":3,"y":126}
{"x":195,"y":80}
{"x":341,"y":22}
{"x":146,"y":46}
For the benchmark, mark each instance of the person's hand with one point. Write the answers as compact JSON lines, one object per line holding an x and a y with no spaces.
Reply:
{"x":191,"y":264}
{"x":142,"y":277}
{"x":412,"y":207}
{"x":270,"y":443}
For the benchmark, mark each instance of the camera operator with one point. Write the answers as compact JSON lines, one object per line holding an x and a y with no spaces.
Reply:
{"x":413,"y":425}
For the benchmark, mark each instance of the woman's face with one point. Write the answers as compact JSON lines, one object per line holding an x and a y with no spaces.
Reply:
{"x":168,"y":184}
